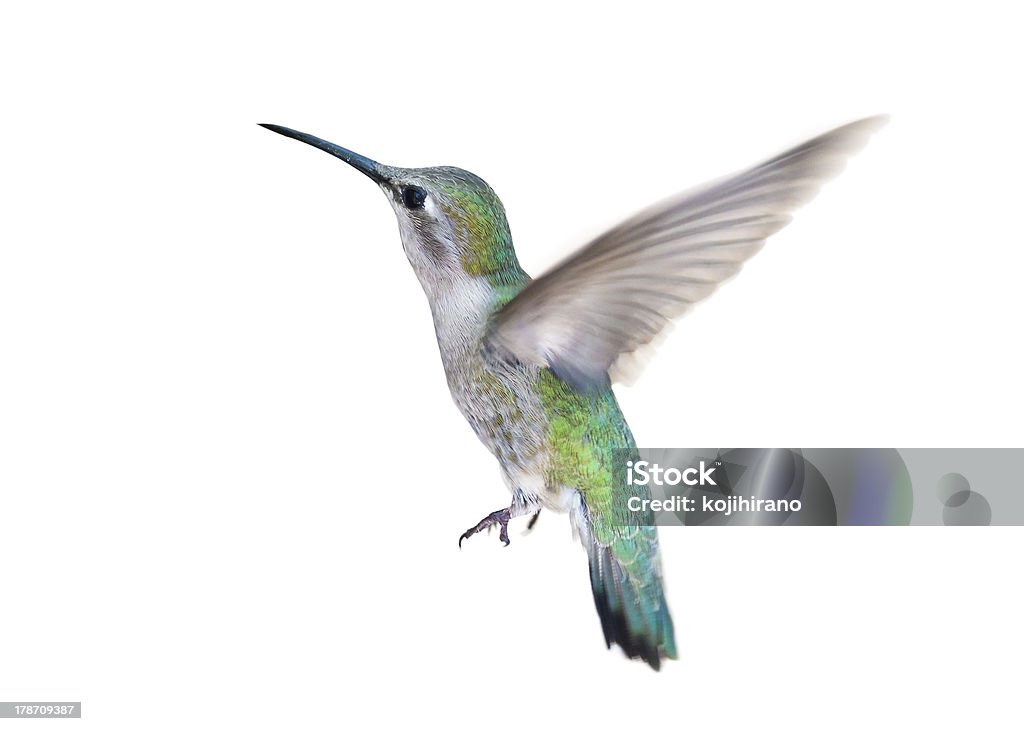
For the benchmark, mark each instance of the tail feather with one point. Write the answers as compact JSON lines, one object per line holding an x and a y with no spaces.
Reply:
{"x":625,"y":575}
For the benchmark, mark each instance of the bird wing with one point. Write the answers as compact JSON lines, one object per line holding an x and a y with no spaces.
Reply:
{"x":618,"y":292}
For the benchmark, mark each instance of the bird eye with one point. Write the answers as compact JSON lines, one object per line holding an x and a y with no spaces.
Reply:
{"x":413,"y":197}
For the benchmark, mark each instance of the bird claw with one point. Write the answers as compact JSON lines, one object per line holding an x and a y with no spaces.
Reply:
{"x":499,"y":518}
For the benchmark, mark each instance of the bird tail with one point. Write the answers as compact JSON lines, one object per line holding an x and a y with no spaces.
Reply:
{"x":625,"y":576}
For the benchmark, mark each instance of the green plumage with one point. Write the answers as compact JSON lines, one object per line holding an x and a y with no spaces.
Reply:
{"x":586,"y":431}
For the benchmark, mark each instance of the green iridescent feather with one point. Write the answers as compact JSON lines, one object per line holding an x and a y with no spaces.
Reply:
{"x":586,"y":430}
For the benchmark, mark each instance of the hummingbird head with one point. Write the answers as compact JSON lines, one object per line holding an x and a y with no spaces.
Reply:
{"x":452,"y":223}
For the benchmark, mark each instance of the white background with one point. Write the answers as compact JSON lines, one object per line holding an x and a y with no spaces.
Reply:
{"x":232,"y":480}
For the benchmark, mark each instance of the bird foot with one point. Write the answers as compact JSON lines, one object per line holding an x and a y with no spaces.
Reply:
{"x":499,"y":518}
{"x":533,"y":521}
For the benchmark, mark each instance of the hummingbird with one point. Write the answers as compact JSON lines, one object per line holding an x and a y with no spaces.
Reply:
{"x":530,"y":363}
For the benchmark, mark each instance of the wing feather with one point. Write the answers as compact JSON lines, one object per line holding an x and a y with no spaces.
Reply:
{"x":618,"y":292}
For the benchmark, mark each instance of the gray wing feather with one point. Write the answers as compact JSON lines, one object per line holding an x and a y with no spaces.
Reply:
{"x":620,"y":291}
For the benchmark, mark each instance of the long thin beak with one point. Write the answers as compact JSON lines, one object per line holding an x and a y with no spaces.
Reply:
{"x":365,"y":165}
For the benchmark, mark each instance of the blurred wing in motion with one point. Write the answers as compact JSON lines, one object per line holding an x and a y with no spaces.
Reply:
{"x":620,"y":291}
